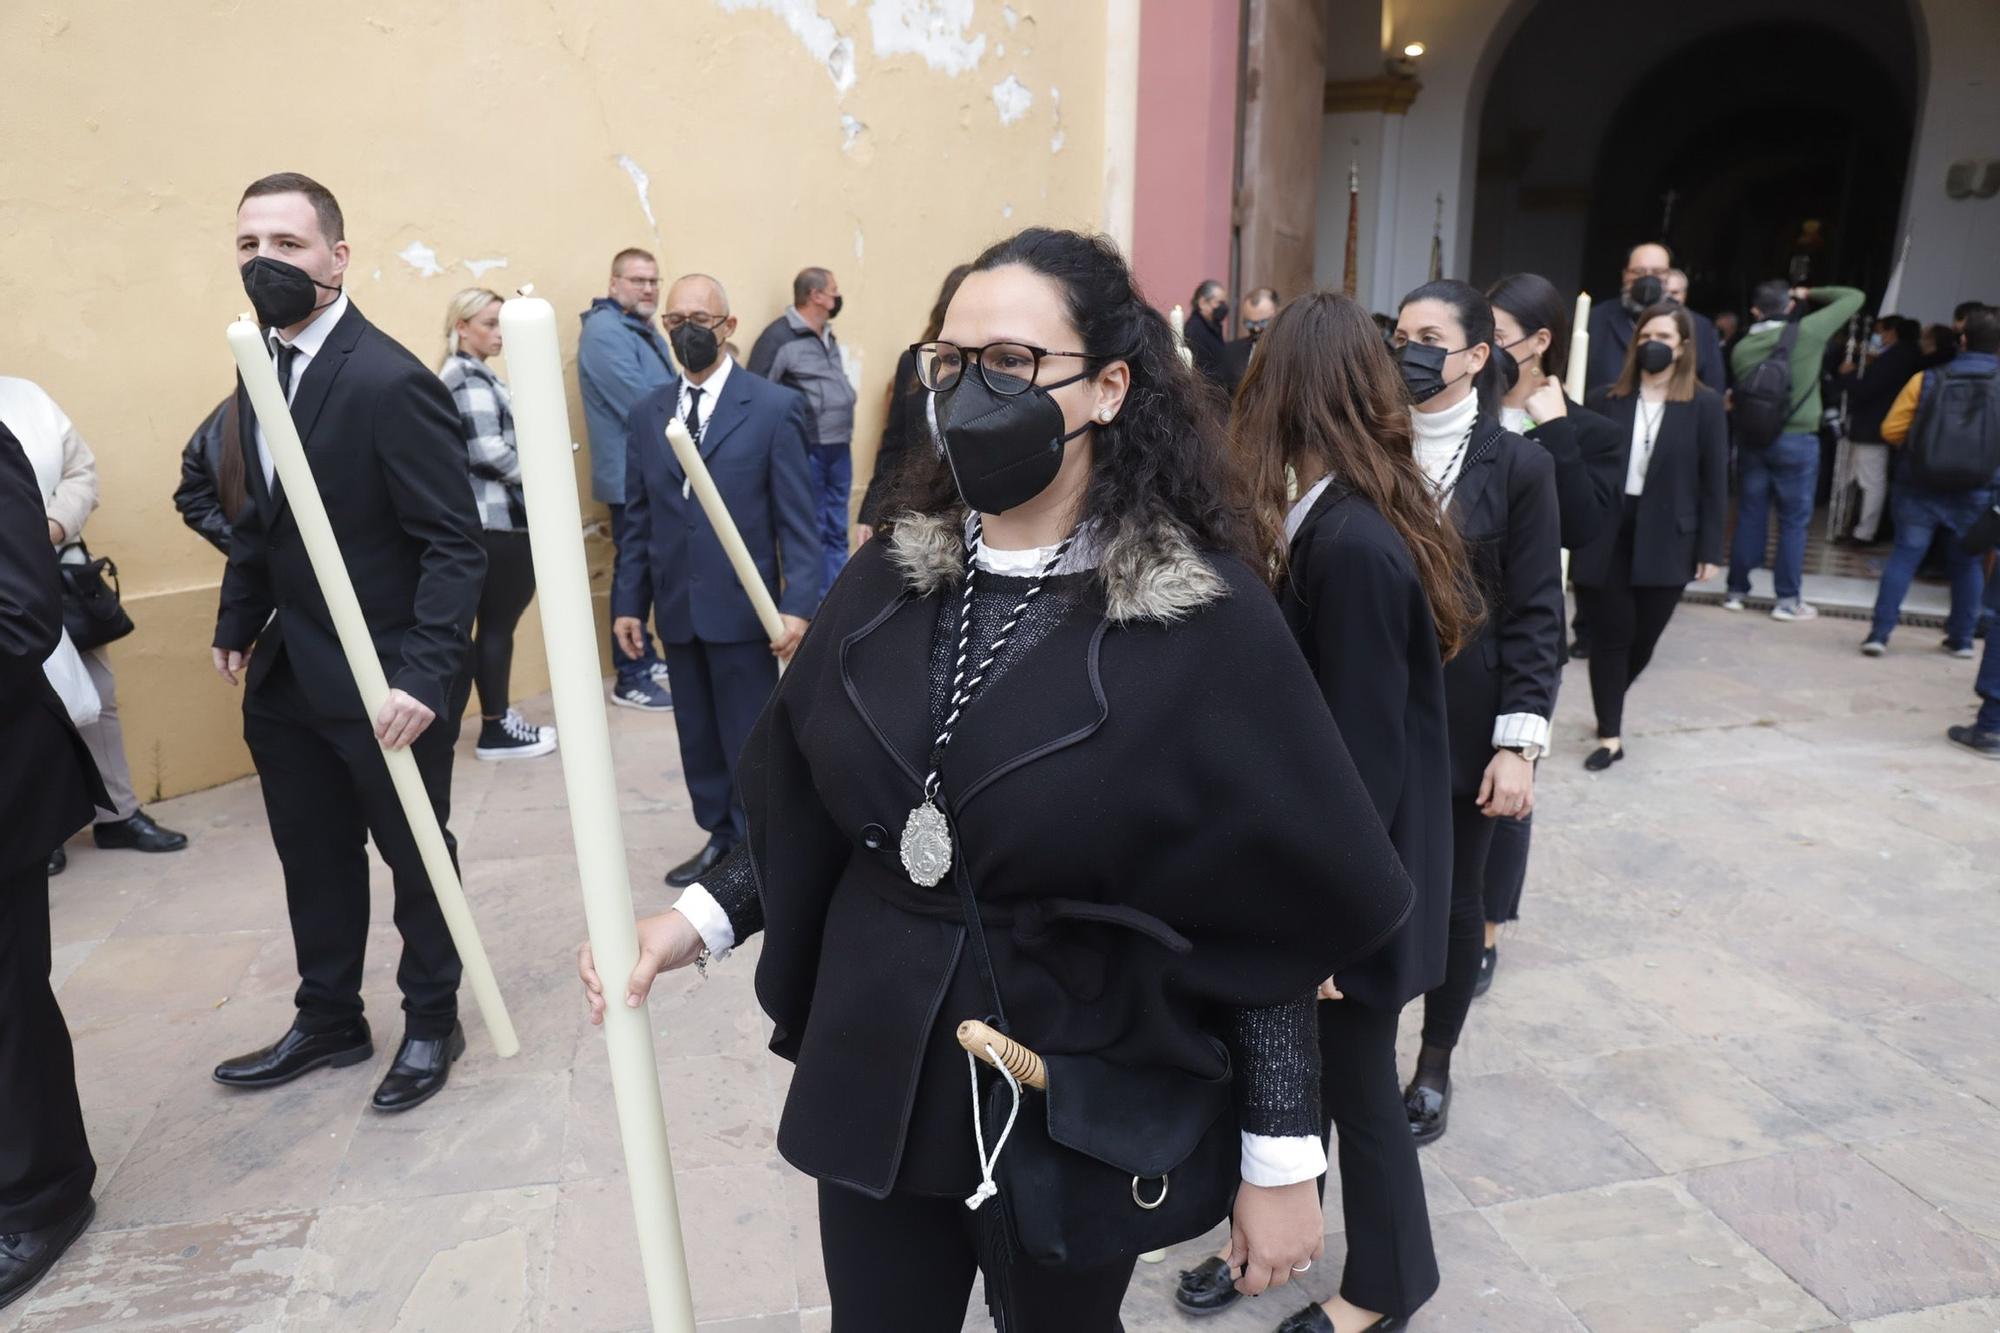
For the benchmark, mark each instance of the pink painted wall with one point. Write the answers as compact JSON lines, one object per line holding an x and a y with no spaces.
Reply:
{"x":1187,"y":146}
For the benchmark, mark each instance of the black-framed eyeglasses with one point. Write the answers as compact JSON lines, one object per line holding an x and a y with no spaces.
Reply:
{"x":1007,"y":369}
{"x":700,"y":319}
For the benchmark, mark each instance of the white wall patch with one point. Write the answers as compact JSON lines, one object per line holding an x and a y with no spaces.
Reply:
{"x":1012,"y":98}
{"x":933,"y":29}
{"x":1056,"y":139}
{"x":1009,"y":17}
{"x":850,"y":362}
{"x":860,"y":243}
{"x":421,"y":258}
{"x":479,"y":267}
{"x":851,"y":130}
{"x":815,"y":32}
{"x":643,"y":184}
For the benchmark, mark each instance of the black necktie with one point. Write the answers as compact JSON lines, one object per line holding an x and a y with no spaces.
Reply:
{"x":287,"y":355}
{"x":694,"y":412}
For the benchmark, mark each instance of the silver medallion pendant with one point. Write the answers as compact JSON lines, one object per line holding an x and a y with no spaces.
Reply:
{"x":927,"y":846}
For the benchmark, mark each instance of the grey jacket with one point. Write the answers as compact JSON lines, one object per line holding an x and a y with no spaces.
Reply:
{"x":791,"y":354}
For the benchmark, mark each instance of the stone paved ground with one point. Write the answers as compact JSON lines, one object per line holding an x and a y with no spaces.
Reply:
{"x":1740,"y":1070}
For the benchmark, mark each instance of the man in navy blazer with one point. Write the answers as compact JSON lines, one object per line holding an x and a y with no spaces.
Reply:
{"x":722,"y":665}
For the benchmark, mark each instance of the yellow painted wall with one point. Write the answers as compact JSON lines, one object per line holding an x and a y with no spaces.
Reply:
{"x":485,"y":131}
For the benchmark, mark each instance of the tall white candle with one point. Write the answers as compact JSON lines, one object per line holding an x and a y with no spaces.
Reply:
{"x":569,"y":635}
{"x":1579,"y":348}
{"x":260,"y":379}
{"x":725,"y":528}
{"x":1177,"y":319}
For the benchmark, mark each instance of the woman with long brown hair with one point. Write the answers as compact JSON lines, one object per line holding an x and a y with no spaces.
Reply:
{"x":1378,"y":592}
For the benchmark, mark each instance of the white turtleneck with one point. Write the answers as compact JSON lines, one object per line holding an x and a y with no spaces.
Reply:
{"x":1440,"y":440}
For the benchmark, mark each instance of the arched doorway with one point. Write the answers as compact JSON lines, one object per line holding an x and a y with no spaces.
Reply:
{"x":1747,"y":133}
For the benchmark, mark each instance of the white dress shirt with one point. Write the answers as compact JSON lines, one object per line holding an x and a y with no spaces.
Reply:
{"x":311,"y":338}
{"x":1646,"y":421}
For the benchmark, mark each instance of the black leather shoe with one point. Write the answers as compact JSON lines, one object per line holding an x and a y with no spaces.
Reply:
{"x":26,"y":1255}
{"x":691,"y":870}
{"x":298,"y":1053}
{"x":1489,"y":962}
{"x":1428,"y":1110}
{"x":1312,"y":1319}
{"x":58,"y":862}
{"x":1206,"y":1288}
{"x":138,"y":834}
{"x":419,"y":1073}
{"x":1603,"y":757}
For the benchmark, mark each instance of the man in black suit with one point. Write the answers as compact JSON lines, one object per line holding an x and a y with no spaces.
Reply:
{"x":721,"y":663}
{"x":389,"y":462}
{"x":1206,"y":318}
{"x":1260,"y":307}
{"x":48,"y":790}
{"x":1644,"y":282}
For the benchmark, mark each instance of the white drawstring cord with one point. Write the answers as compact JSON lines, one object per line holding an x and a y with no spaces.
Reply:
{"x":987,"y":1165}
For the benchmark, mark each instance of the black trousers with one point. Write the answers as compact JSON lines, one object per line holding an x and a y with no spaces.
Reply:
{"x":326,"y":791}
{"x":1626,"y":624}
{"x":1391,"y":1267}
{"x":510,"y":586}
{"x":1507,"y":868}
{"x":905,"y":1264}
{"x":719,"y":690}
{"x":46,"y":1169}
{"x":1445,"y":1008}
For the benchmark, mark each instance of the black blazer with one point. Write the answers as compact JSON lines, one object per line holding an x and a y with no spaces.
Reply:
{"x":1505,"y":507}
{"x":1211,"y":355}
{"x":1873,"y":392}
{"x":1358,"y":609}
{"x":199,"y":496}
{"x":755,"y":446}
{"x":1590,"y":471}
{"x":383,"y":438}
{"x":48,"y":785}
{"x":1682,"y":510}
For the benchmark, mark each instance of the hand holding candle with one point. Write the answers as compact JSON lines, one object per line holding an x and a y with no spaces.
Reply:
{"x":725,"y":531}
{"x":1579,"y":348}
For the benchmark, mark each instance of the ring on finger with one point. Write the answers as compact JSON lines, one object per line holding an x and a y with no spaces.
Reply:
{"x":1301,"y":1268}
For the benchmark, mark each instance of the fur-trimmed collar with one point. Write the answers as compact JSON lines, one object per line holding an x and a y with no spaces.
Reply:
{"x":1153,"y":573}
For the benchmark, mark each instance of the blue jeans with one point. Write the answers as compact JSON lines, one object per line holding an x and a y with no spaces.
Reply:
{"x":833,"y":475}
{"x":1987,"y":686}
{"x":1919,"y":514}
{"x":1786,"y":471}
{"x":633,"y":668}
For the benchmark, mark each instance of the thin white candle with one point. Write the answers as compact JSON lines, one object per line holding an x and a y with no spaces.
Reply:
{"x":569,"y":635}
{"x":1177,"y":318}
{"x":1579,"y":348}
{"x":725,"y":528}
{"x":260,"y":379}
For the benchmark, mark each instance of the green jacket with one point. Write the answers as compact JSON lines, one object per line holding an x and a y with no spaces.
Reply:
{"x":1834,"y":306}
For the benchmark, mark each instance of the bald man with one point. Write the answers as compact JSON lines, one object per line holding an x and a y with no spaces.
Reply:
{"x":721,"y":664}
{"x":1649,"y":270}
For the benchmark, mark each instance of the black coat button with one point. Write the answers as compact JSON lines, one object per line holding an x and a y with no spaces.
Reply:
{"x":874,"y":837}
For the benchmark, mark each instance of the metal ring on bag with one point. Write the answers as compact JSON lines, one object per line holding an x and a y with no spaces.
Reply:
{"x":1149,"y":1207}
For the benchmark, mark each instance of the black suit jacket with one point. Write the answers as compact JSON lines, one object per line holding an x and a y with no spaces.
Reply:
{"x":199,"y":496}
{"x":1505,"y":507}
{"x":1590,"y":471}
{"x":1873,"y":392}
{"x":48,"y":785}
{"x":388,"y":458}
{"x":1359,"y":612}
{"x":1211,"y":356}
{"x":1611,"y":334}
{"x":1682,"y":510}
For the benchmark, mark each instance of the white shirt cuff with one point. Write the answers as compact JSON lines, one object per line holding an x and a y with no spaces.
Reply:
{"x":1511,"y":729}
{"x":708,"y":919}
{"x":1270,"y":1161}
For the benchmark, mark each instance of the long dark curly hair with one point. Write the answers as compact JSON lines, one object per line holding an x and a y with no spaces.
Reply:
{"x":1164,"y":458}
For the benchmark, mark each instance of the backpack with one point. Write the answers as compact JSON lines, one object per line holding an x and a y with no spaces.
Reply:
{"x":1761,"y":402}
{"x":1955,"y":443}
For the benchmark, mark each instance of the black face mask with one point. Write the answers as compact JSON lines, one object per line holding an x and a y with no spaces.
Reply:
{"x":1655,"y":357}
{"x":283,"y":294}
{"x":1255,"y":328}
{"x":694,"y":347}
{"x":1423,"y":369}
{"x":1003,"y":451}
{"x":1510,"y":369}
{"x":1644,"y":291}
{"x":835,"y":312}
{"x":1220,"y":313}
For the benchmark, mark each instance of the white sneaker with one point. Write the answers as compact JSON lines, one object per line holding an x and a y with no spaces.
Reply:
{"x":511,"y":736}
{"x":658,"y":671}
{"x":1732,"y":603}
{"x":1800,"y":610}
{"x":1873,"y":648}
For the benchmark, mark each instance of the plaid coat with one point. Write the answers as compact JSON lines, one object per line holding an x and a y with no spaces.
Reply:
{"x":486,"y":419}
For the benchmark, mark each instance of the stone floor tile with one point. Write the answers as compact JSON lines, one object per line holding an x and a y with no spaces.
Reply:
{"x":1570,"y":1013}
{"x":465,"y":1261}
{"x":1854,"y":1237}
{"x":128,"y":975}
{"x":1645,"y":1257}
{"x":1684,"y":1106}
{"x":1981,"y":1316}
{"x":1957,"y":1172}
{"x":1846,"y":1083}
{"x":1485,"y":1287}
{"x":1519,"y":1136}
{"x":718,"y":1114}
{"x":226,"y":1275}
{"x":501,"y":1131}
{"x":1958,"y":1041}
{"x":1847,"y":972}
{"x":1706,"y":993}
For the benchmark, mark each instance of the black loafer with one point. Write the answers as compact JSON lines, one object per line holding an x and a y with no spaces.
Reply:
{"x":298,"y":1052}
{"x":26,"y":1256}
{"x":58,"y":862}
{"x":137,"y":834}
{"x":1489,"y":963}
{"x":422,"y":1065}
{"x":1312,"y":1319}
{"x":1428,"y":1109}
{"x":1603,"y":757}
{"x":1207,"y":1288}
{"x":691,"y":870}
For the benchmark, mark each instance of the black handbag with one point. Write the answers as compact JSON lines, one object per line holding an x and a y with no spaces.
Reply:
{"x":1112,"y":1160}
{"x":92,"y":611}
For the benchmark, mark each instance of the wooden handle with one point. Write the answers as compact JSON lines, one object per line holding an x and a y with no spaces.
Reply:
{"x":1016,"y":1059}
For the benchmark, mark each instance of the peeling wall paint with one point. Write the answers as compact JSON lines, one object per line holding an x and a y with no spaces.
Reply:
{"x":860,"y":243}
{"x":421,"y":258}
{"x":480,"y":267}
{"x":1056,"y":137}
{"x":933,"y":29}
{"x":1009,"y":17}
{"x":823,"y":41}
{"x":851,"y":130}
{"x":1012,"y":98}
{"x":643,"y":184}
{"x":850,"y":362}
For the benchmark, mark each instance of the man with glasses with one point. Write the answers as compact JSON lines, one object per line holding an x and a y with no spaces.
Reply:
{"x":752,"y":434}
{"x":619,"y":360}
{"x":1649,"y":276}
